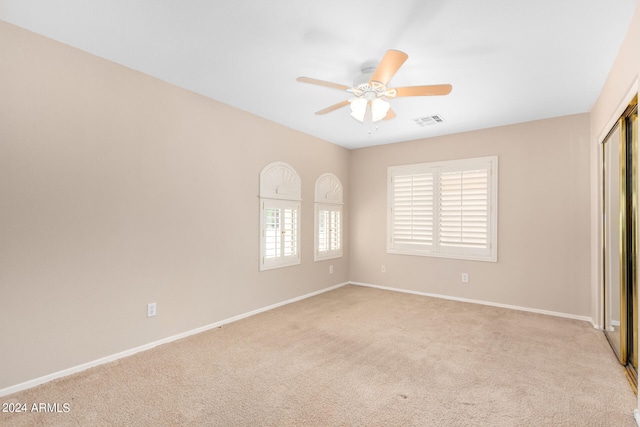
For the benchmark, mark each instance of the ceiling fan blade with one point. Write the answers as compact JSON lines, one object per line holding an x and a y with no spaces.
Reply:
{"x":423,"y":90}
{"x":322,"y":83}
{"x":390,"y":115}
{"x":389,"y":65}
{"x":333,"y":107}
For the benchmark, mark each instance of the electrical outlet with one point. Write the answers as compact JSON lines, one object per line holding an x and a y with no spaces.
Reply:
{"x":465,"y":277}
{"x":384,"y":269}
{"x":151,"y":309}
{"x":331,"y":269}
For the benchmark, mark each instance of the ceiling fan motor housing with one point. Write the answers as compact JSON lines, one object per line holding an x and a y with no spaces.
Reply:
{"x":365,"y":76}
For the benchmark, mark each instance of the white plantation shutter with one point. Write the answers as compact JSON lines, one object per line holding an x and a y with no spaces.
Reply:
{"x":280,"y":233}
{"x":290,"y":232}
{"x":272,"y":232}
{"x":412,"y":211}
{"x":328,"y":220}
{"x":444,"y":209}
{"x":335,"y":229}
{"x":328,"y":229}
{"x":464,"y":210}
{"x":329,"y":224}
{"x":323,"y":230}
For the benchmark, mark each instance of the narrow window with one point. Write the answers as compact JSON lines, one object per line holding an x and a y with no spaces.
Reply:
{"x":328,"y":217}
{"x":279,"y":216}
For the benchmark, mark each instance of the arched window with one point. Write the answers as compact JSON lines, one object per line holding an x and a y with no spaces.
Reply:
{"x":280,"y":197}
{"x":328,"y":217}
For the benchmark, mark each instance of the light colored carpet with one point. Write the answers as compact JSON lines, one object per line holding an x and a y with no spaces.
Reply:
{"x":356,"y":356}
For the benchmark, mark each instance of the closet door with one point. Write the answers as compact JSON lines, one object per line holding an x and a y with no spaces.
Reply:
{"x":620,"y":238}
{"x":631,"y":136}
{"x":612,"y":248}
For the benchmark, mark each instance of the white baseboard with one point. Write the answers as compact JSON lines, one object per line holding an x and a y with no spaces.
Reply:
{"x":473,"y":301}
{"x":65,"y":372}
{"x":636,"y":416}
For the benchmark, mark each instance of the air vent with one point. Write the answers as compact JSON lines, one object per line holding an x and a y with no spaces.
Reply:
{"x":429,"y":120}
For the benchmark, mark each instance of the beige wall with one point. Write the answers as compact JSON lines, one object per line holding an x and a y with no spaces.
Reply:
{"x":543,"y":216}
{"x":117,"y":190}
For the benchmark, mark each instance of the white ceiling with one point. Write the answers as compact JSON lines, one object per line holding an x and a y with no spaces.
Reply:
{"x":508,"y":61}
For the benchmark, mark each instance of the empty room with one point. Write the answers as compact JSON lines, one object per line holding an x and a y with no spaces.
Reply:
{"x":319,"y":213}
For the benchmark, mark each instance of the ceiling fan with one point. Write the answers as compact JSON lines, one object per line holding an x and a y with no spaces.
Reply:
{"x":370,"y":89}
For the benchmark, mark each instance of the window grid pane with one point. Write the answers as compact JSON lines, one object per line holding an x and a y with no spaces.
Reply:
{"x":334,"y":231}
{"x":413,"y":208}
{"x":272,"y":233}
{"x":323,"y":231}
{"x":289,"y":229}
{"x":464,"y":209}
{"x":329,"y":232}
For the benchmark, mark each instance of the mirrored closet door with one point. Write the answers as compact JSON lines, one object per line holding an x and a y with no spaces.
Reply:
{"x":619,"y":237}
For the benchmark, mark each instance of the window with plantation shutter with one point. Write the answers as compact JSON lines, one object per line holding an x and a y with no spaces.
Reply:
{"x":280,"y":233}
{"x":445,"y":209}
{"x":328,"y":235}
{"x":280,"y":191}
{"x":328,"y":232}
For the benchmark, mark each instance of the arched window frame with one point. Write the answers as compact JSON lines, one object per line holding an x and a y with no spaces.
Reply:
{"x":280,"y":211}
{"x":328,"y":217}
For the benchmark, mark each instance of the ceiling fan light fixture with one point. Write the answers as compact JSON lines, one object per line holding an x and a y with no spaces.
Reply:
{"x":379,"y":109}
{"x":358,"y":108}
